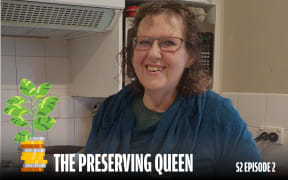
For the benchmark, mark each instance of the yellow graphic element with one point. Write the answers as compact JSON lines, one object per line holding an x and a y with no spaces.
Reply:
{"x":32,"y":169}
{"x":33,"y":154}
{"x":32,"y":142}
{"x":28,"y":146}
{"x":35,"y":162}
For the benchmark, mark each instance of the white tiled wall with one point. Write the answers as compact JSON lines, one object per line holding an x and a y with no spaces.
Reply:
{"x":32,"y":68}
{"x":9,"y":82}
{"x":252,"y":108}
{"x":259,"y":110}
{"x":43,"y":60}
{"x":277,"y":111}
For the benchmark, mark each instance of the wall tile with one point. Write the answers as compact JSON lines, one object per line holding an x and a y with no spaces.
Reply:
{"x":30,"y":47}
{"x":277,"y":111}
{"x":83,"y":107}
{"x":59,"y":91}
{"x":252,"y":108}
{"x":7,"y":46}
{"x":10,"y":152}
{"x":82,"y":130}
{"x":8,"y":72}
{"x":57,"y":46}
{"x":58,"y":72}
{"x":8,"y":132}
{"x":66,"y":107}
{"x":5,"y":95}
{"x":32,"y":68}
{"x":62,"y":133}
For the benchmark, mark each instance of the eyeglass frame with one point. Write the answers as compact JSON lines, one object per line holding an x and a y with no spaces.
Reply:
{"x":134,"y":43}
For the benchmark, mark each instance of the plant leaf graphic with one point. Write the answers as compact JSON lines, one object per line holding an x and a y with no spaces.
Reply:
{"x":27,"y":87}
{"x":16,"y":100}
{"x":46,"y":105}
{"x":16,"y":110}
{"x":44,"y":123}
{"x":42,"y":90}
{"x":19,"y":121}
{"x":22,"y":136}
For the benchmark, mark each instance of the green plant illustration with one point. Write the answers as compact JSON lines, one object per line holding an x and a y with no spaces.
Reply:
{"x":40,"y":107}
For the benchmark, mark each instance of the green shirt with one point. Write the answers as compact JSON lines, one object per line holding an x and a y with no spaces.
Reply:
{"x":144,"y":116}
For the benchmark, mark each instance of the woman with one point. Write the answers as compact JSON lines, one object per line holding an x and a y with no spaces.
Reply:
{"x":168,"y":107}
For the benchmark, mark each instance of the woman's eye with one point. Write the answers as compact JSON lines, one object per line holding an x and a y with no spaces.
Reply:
{"x":168,"y":43}
{"x":144,"y":42}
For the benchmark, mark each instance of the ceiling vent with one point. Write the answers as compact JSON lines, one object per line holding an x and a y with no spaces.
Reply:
{"x":36,"y":16}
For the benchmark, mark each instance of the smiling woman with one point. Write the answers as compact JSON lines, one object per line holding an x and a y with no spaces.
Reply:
{"x":179,"y":22}
{"x":171,"y":64}
{"x":169,"y":108}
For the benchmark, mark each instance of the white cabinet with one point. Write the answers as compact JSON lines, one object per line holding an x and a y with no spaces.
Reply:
{"x":95,"y":63}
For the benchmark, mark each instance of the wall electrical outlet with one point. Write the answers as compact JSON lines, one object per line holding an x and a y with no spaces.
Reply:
{"x":277,"y":130}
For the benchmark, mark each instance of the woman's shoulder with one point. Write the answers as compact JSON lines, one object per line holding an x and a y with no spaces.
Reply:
{"x":122,"y":94}
{"x":227,"y":116}
{"x":212,"y":105}
{"x":220,"y":107}
{"x":209,"y":100}
{"x":120,"y":99}
{"x":213,"y":99}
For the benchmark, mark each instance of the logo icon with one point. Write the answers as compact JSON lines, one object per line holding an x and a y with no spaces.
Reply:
{"x":39,"y":106}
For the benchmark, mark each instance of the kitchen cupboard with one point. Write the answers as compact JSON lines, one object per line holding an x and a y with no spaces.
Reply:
{"x":95,"y":63}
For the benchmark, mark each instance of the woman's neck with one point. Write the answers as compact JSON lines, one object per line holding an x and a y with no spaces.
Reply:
{"x":158,"y":101}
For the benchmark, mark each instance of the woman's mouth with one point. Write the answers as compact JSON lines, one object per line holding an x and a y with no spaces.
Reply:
{"x":154,"y":68}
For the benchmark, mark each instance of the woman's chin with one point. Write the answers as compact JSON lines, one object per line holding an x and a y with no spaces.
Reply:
{"x":154,"y":86}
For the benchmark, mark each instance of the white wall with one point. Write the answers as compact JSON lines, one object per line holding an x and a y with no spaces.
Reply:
{"x":43,"y":60}
{"x":255,"y":46}
{"x":254,"y":68}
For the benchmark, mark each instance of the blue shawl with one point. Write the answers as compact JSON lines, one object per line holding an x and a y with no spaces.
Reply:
{"x":206,"y":125}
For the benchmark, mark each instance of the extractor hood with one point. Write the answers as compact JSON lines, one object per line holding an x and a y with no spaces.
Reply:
{"x":42,"y":18}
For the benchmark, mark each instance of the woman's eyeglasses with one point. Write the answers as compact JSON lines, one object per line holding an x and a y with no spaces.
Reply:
{"x":169,"y":44}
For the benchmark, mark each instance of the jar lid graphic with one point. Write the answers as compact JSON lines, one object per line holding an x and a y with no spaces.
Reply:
{"x":37,"y":139}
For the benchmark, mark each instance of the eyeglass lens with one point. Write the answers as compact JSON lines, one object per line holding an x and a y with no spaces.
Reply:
{"x":165,"y":43}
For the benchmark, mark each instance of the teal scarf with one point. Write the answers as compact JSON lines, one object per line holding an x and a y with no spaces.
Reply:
{"x":207,"y":126}
{"x":113,"y":126}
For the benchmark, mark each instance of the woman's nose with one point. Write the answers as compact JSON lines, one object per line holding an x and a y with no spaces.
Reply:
{"x":154,"y":52}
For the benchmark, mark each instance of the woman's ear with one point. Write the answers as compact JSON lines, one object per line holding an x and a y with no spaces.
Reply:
{"x":190,"y":62}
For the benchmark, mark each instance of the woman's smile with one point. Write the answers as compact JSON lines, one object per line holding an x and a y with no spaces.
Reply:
{"x":154,"y":69}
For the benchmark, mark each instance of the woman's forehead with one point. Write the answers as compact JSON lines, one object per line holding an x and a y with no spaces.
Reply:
{"x":170,"y":18}
{"x":164,"y":19}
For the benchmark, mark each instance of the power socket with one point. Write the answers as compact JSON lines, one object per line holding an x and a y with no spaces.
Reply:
{"x":277,"y":130}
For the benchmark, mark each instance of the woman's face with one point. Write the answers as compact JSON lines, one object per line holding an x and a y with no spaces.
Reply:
{"x":156,"y":69}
